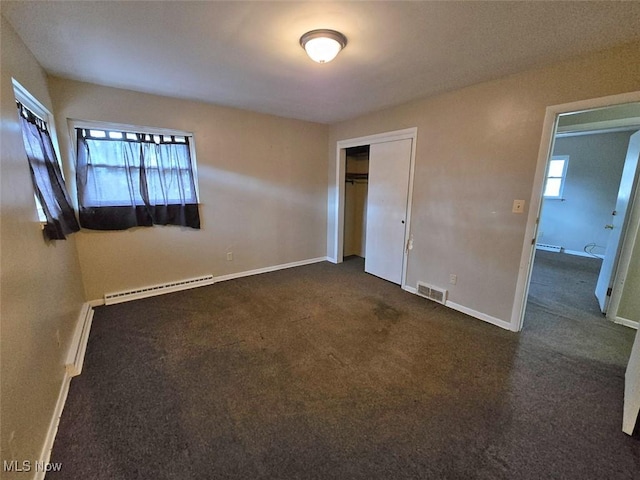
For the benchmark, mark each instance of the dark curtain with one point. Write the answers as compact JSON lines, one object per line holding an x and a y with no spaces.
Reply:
{"x":134,"y":179}
{"x":47,"y":177}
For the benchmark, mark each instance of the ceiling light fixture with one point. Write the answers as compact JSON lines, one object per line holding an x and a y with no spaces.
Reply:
{"x":323,"y":45}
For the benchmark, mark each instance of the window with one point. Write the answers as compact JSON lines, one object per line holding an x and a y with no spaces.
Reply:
{"x":52,"y":200}
{"x":130,"y":177}
{"x":556,"y":175}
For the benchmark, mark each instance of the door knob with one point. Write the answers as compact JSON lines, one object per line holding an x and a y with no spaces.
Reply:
{"x":608,"y":227}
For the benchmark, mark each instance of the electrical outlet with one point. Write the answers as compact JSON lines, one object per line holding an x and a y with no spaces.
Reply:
{"x":229,"y":256}
{"x":453,"y":279}
{"x":518,"y":206}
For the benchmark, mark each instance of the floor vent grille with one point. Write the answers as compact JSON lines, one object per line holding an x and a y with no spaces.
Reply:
{"x":135,"y":294}
{"x":432,"y":293}
{"x":549,"y":248}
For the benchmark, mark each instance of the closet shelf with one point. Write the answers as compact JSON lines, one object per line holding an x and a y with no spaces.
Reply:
{"x":356,"y":177}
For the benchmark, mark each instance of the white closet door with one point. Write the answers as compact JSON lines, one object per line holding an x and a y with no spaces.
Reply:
{"x":389,"y":168}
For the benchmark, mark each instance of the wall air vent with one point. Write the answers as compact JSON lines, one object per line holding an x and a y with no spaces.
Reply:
{"x":143,"y":292}
{"x":432,"y":293}
{"x":548,"y":248}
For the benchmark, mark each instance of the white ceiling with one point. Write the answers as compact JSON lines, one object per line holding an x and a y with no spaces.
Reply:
{"x":247,"y":55}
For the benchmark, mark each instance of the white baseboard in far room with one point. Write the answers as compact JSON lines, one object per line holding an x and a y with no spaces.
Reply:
{"x":582,"y":254}
{"x":548,"y":248}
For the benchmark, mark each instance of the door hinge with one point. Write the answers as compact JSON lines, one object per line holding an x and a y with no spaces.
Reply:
{"x":609,"y":290}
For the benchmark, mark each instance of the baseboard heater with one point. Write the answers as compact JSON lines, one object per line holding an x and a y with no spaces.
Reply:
{"x":75,"y":357}
{"x":144,"y":292}
{"x":549,"y":248}
{"x":432,"y":293}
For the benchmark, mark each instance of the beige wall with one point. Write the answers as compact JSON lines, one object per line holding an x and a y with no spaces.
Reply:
{"x":630,"y":302}
{"x":262,"y":182}
{"x":41,"y":292}
{"x":476,"y":152}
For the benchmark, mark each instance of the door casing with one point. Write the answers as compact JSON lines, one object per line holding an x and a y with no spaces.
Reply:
{"x":337,"y":203}
{"x":535,"y":205}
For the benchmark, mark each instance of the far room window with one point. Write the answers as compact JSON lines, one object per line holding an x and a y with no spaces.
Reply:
{"x":134,"y":176}
{"x":556,"y":175}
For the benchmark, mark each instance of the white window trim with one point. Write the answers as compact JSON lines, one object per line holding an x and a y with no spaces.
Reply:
{"x":122,"y":127}
{"x":32,"y":103}
{"x":563,"y":178}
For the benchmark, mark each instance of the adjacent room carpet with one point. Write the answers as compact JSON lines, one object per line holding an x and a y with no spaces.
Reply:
{"x":325,"y":372}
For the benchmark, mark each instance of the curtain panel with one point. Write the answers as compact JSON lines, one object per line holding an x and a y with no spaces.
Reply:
{"x":129,"y":179}
{"x":46,"y":175}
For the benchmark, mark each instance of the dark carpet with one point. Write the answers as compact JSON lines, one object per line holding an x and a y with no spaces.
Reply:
{"x":325,"y":372}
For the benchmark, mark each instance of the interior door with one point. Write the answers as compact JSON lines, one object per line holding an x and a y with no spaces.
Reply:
{"x":607,"y":271}
{"x":389,"y":168}
{"x":632,"y":389}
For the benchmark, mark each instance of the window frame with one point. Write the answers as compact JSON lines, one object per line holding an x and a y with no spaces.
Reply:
{"x":74,"y":124}
{"x":563,"y":177}
{"x":23,"y":96}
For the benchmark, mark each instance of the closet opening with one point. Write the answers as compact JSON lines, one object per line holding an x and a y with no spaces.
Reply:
{"x":377,"y":214}
{"x":355,"y":204}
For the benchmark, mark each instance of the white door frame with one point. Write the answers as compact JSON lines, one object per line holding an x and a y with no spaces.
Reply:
{"x":338,"y":204}
{"x":528,"y":247}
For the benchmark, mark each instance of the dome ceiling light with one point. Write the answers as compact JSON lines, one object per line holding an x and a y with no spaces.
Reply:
{"x":323,"y":45}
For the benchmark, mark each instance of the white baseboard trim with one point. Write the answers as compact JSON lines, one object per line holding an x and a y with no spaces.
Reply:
{"x":472,"y":313}
{"x":626,"y":322}
{"x":78,"y":347}
{"x":45,"y":456}
{"x":482,"y":316}
{"x":582,"y":254}
{"x":410,"y":289}
{"x":273,"y":268}
{"x":73,"y":367}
